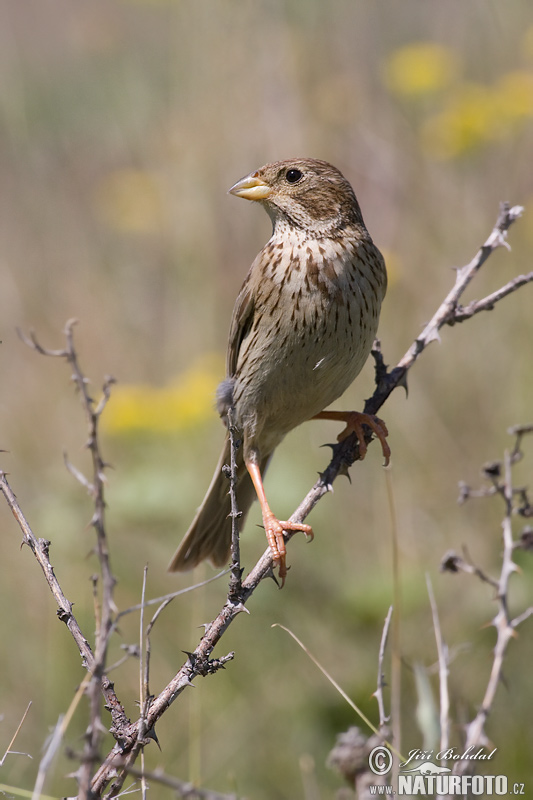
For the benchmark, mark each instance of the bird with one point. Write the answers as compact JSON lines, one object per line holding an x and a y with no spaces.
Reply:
{"x":302,"y":329}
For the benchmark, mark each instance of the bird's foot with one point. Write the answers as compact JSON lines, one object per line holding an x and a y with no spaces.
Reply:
{"x":276,"y":541}
{"x":355,"y":420}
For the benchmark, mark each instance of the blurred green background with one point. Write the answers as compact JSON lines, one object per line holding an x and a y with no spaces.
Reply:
{"x":123,"y":126}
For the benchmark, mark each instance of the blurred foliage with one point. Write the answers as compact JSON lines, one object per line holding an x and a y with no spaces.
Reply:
{"x":123,"y":125}
{"x":188,"y":401}
{"x":468,"y":115}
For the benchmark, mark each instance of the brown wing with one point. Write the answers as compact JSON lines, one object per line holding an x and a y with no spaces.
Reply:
{"x":241,"y":323}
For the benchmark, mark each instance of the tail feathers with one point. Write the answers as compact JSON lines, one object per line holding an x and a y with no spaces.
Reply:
{"x":209,"y":536}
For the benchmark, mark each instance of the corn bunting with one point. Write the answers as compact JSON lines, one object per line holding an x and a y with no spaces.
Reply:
{"x":302,"y":329}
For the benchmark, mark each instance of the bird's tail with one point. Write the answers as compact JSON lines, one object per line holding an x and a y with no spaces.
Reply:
{"x":209,"y":536}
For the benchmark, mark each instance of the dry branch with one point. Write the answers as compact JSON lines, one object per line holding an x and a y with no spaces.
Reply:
{"x":378,"y":694}
{"x":500,"y":475}
{"x":442,"y":653}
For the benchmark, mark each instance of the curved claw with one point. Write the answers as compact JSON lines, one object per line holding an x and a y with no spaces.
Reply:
{"x":355,"y":420}
{"x":276,"y":541}
{"x":354,"y":424}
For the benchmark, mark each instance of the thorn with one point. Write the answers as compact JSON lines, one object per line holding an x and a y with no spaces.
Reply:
{"x":526,"y":539}
{"x":501,"y":241}
{"x":333,"y":446}
{"x":403,"y":383}
{"x":343,"y":470}
{"x":329,"y":486}
{"x":151,"y":734}
{"x":492,"y":470}
{"x":451,"y":562}
{"x":238,"y":608}
{"x":464,"y":492}
{"x":433,"y":336}
{"x":271,"y":574}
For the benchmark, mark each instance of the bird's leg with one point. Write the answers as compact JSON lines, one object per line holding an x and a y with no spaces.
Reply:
{"x":273,"y":526}
{"x":354,"y":424}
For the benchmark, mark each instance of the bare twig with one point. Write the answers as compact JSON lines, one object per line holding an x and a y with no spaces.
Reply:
{"x":500,"y":476}
{"x":144,"y":662}
{"x":443,"y":658}
{"x":167,"y":597}
{"x":519,"y":431}
{"x":446,"y":313}
{"x":452,"y":562}
{"x":95,"y":662}
{"x":461,"y":313}
{"x":95,"y":487}
{"x":236,"y":570}
{"x":144,"y":679}
{"x":378,"y":694}
{"x":40,"y":549}
{"x":184,"y":789}
{"x":475,"y":731}
{"x":56,"y":738}
{"x":330,"y":678}
{"x":9,"y":751}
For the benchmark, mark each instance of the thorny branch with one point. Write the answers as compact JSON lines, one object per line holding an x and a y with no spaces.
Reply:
{"x":131,"y":737}
{"x":515,"y":501}
{"x":40,"y":549}
{"x":236,"y":570}
{"x":94,"y":662}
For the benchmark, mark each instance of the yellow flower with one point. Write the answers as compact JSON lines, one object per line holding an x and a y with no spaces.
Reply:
{"x":462,"y":124}
{"x":186,"y":402}
{"x":421,"y":68}
{"x":515,"y":95}
{"x":476,"y":115}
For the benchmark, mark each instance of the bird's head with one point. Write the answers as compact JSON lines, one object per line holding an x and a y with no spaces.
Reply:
{"x":303,"y":193}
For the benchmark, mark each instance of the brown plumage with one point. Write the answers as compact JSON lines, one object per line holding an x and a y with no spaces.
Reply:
{"x":302,"y":329}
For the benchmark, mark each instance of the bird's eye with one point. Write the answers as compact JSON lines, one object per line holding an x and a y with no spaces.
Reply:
{"x":293,"y":175}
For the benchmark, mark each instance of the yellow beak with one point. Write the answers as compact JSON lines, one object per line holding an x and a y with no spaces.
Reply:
{"x":251,"y":188}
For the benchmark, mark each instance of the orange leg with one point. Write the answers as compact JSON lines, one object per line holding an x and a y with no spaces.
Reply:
{"x":273,"y":526}
{"x":354,"y":424}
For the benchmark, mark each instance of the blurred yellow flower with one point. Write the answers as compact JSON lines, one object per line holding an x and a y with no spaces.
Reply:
{"x":463,"y":123}
{"x":421,"y":68}
{"x":476,"y":115}
{"x":515,"y":95}
{"x":132,"y":201}
{"x":188,"y":401}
